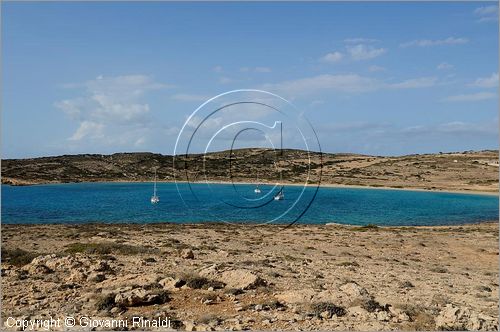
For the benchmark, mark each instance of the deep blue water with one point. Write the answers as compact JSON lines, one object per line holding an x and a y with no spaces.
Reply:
{"x":129,"y":202}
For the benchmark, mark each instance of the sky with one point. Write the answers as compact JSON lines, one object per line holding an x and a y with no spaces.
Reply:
{"x":374,"y":78}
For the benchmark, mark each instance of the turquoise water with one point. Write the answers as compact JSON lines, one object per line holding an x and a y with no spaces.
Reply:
{"x":129,"y":202}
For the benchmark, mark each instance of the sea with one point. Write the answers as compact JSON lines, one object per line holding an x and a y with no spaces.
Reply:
{"x":78,"y":203}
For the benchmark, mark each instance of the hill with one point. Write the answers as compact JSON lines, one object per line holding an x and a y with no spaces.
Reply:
{"x":470,"y":170}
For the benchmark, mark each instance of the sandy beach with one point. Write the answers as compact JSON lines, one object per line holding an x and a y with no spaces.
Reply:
{"x":227,"y":277}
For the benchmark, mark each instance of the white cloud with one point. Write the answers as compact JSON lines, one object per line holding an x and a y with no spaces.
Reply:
{"x":108,"y":102}
{"x":421,"y":82}
{"x":225,"y":80}
{"x":487,"y":13}
{"x":360,"y":40}
{"x":357,"y":49}
{"x":333,"y":57}
{"x":444,"y":66}
{"x":349,"y":83}
{"x":486,"y":82}
{"x":140,"y":142}
{"x":262,"y":69}
{"x":88,"y":129}
{"x":364,"y":52}
{"x":218,"y":69}
{"x":478,"y":96}
{"x":375,"y":68}
{"x":488,"y":19}
{"x":486,"y":10}
{"x":429,"y":42}
{"x":453,"y":128}
{"x":190,"y":97}
{"x":255,"y":69}
{"x":343,"y":83}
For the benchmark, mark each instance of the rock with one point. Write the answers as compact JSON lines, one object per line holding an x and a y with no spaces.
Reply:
{"x":189,"y":325}
{"x":353,"y":290}
{"x":139,"y":296}
{"x":296,"y":296}
{"x":483,"y":322}
{"x":115,"y":310}
{"x":61,"y":263}
{"x":76,"y":276}
{"x":100,"y":266}
{"x":327,"y":296}
{"x":96,"y":277}
{"x":242,"y":279}
{"x":357,"y":311}
{"x":462,"y":318}
{"x":403,"y":317}
{"x":170,"y":283}
{"x":37,"y":268}
{"x":210,"y":272}
{"x":325,"y":314}
{"x":258,"y":307}
{"x":399,"y":315}
{"x":187,"y":254}
{"x":383,"y":316}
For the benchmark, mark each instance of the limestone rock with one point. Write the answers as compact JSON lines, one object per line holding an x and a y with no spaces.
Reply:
{"x":170,"y":283}
{"x":358,"y":311}
{"x":353,"y":290}
{"x":139,"y":296}
{"x":37,"y":268}
{"x":76,"y":276}
{"x":383,"y":316}
{"x":242,"y":279}
{"x":462,"y":318}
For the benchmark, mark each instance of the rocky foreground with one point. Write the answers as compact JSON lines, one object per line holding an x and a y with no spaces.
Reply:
{"x":223,"y":277}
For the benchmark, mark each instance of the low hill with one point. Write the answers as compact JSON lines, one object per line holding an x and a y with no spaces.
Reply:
{"x":470,"y":170}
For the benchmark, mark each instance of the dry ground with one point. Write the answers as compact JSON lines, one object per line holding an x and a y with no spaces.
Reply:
{"x":303,"y":277}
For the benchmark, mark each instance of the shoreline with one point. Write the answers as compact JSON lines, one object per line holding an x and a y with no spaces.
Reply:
{"x":215,"y":224}
{"x":324,"y":185}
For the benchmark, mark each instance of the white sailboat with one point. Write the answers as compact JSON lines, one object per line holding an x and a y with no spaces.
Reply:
{"x":257,"y":189}
{"x":280,"y":195}
{"x":155,"y":198}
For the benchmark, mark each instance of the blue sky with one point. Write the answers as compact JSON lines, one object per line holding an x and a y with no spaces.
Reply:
{"x":374,"y":78}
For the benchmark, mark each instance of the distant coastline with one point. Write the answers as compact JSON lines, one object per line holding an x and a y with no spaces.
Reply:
{"x":460,"y":172}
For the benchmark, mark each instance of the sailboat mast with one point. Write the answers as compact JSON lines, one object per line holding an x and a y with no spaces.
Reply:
{"x":281,"y":137}
{"x":281,"y":148}
{"x":154,"y":193}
